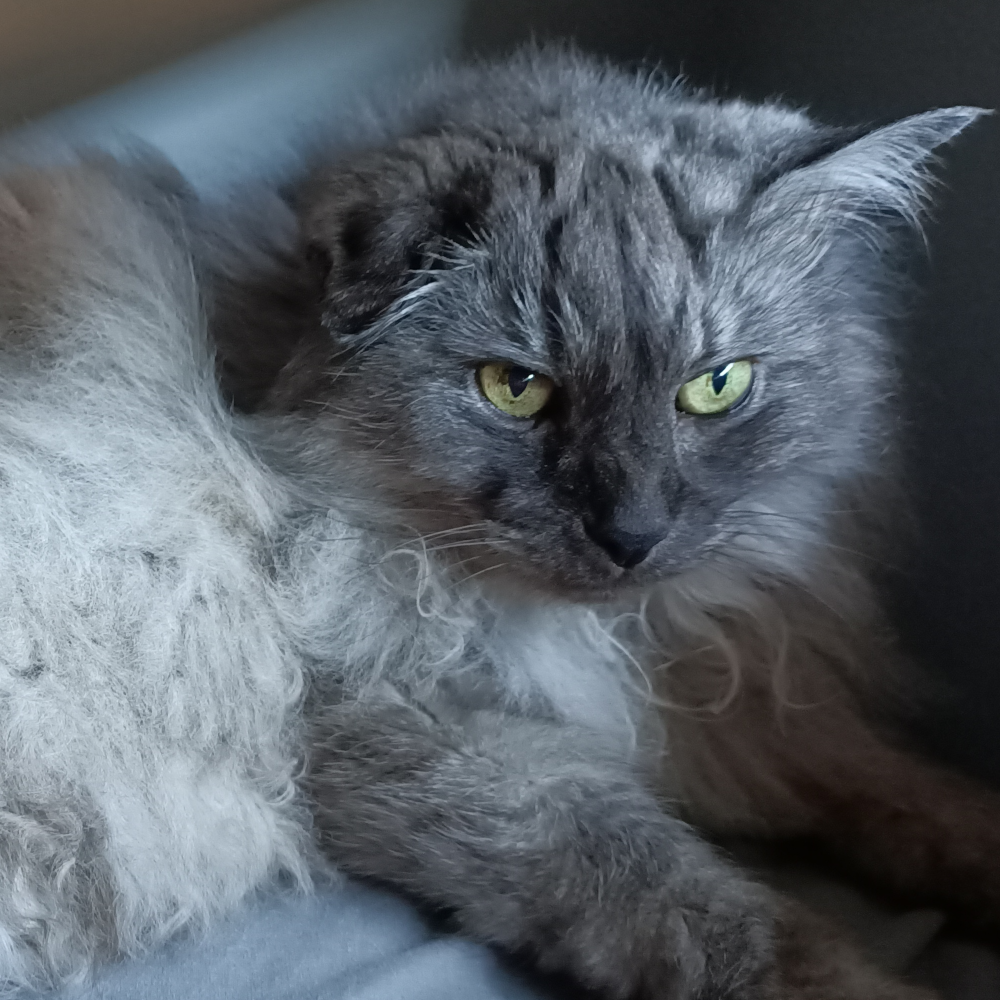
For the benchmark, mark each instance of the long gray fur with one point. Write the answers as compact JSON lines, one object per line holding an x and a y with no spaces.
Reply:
{"x":366,"y":538}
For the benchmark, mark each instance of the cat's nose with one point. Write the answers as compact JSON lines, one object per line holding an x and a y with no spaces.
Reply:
{"x":626,"y":548}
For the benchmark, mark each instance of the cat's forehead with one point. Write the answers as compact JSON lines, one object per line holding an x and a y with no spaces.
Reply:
{"x":618,"y":218}
{"x":577,"y":206}
{"x":564,"y":118}
{"x":703,"y":160}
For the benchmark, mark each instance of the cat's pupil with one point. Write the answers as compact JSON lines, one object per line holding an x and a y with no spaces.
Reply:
{"x":720,"y":377}
{"x":518,"y":379}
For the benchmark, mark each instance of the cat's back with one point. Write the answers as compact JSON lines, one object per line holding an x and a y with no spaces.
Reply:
{"x":142,"y":675}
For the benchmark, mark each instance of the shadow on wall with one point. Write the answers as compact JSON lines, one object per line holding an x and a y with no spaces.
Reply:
{"x":858,"y":61}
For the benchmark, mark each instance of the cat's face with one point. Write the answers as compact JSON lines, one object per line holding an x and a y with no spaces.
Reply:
{"x":594,"y":357}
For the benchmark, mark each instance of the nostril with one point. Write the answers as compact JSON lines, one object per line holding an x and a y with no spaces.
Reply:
{"x":626,"y":548}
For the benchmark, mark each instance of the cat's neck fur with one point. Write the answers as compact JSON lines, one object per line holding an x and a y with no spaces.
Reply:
{"x":370,"y":604}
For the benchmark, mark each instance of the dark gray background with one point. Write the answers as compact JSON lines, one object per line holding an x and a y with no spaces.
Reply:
{"x":853,"y":61}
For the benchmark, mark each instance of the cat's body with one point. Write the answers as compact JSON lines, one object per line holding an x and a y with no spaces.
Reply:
{"x":368,"y":568}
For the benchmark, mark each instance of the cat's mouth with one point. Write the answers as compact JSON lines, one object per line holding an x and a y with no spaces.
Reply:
{"x":509,"y":568}
{"x":564,"y":562}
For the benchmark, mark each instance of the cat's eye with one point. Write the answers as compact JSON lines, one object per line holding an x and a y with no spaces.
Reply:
{"x":718,"y":390}
{"x":517,"y":391}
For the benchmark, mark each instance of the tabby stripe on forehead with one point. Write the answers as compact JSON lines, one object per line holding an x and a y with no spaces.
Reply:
{"x":688,"y":231}
{"x":616,"y":167}
{"x":546,"y":167}
{"x":546,"y":176}
{"x":551,"y":241}
{"x":551,"y":306}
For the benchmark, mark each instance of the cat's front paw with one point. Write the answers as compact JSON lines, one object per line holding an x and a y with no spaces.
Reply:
{"x":717,"y":948}
{"x":714,"y":943}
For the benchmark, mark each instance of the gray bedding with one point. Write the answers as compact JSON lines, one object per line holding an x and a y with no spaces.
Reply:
{"x":345,"y":943}
{"x":349,"y":942}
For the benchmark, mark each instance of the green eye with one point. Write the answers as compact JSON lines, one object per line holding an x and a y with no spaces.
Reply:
{"x":517,"y":391}
{"x":718,"y":390}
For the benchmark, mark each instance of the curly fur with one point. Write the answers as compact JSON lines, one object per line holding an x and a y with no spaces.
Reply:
{"x":149,"y":688}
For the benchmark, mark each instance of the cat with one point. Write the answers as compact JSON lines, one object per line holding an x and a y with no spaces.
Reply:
{"x":421,"y":517}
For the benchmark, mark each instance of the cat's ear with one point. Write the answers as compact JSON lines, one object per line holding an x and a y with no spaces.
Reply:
{"x":881,"y":177}
{"x":372,"y":231}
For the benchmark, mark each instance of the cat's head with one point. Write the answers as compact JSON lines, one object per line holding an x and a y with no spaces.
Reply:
{"x":591,"y":330}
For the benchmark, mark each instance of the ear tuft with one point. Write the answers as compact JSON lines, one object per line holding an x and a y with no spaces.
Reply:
{"x":930,"y":129}
{"x":884,"y":173}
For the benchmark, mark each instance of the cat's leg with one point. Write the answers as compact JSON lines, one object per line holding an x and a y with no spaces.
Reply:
{"x":816,"y":765}
{"x":927,"y":832}
{"x":540,"y":842}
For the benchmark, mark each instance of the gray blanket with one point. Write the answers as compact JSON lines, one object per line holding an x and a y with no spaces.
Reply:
{"x":349,"y":942}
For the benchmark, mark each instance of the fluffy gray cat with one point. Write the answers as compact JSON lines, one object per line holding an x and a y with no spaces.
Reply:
{"x":526,"y":503}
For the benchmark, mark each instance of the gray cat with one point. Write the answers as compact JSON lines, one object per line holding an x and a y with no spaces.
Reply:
{"x":560,"y":414}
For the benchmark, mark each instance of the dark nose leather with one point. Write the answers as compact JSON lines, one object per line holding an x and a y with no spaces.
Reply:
{"x":626,"y":548}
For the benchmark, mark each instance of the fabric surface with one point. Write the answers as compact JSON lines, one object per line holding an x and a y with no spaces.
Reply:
{"x":350,"y":942}
{"x":346,"y":942}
